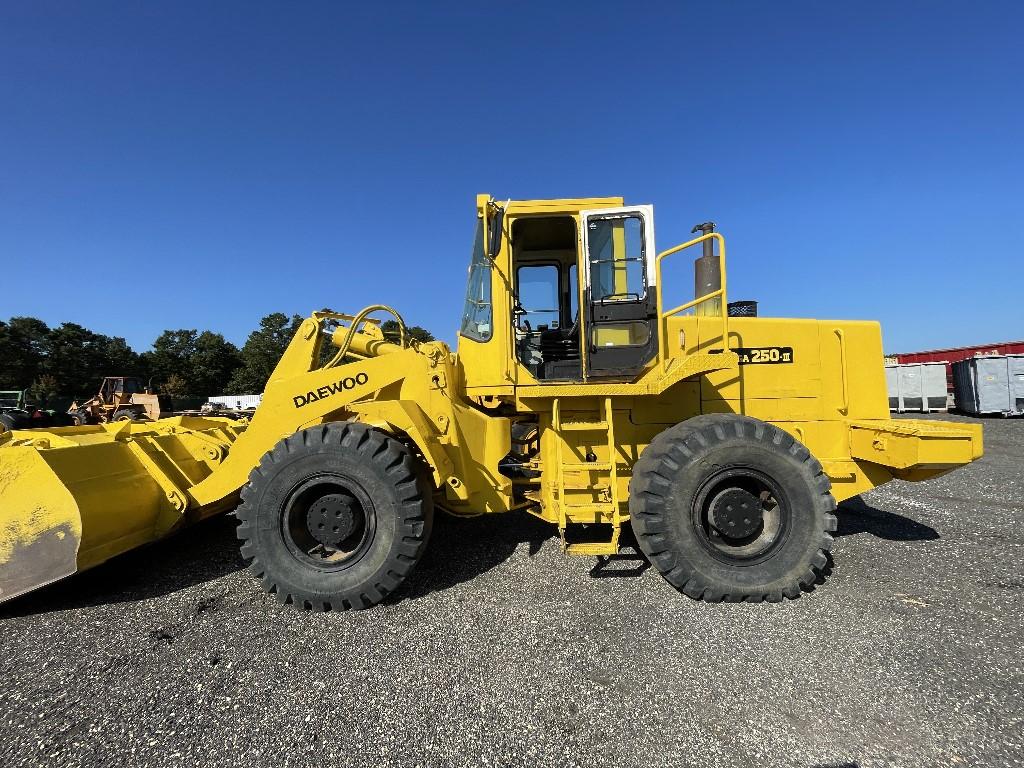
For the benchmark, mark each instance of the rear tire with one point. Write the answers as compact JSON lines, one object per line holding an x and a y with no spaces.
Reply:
{"x":334,"y":517}
{"x":126,"y":414}
{"x":728,"y":507}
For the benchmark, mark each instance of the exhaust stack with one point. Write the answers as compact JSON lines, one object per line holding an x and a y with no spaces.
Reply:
{"x":707,"y":273}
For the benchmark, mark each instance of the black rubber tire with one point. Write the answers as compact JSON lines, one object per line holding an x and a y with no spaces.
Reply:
{"x":386,"y":473}
{"x":126,"y":414}
{"x":663,"y":508}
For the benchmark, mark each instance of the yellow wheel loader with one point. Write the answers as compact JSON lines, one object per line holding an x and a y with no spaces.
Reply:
{"x":120,"y":398}
{"x":576,"y":394}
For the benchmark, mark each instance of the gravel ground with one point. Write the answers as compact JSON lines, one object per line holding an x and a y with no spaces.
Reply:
{"x":502,"y":651}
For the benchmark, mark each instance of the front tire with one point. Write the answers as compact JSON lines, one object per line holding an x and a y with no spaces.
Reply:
{"x":728,"y":507}
{"x":334,"y":517}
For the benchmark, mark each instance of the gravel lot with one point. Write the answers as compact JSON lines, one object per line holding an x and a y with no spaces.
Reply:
{"x":502,"y":651}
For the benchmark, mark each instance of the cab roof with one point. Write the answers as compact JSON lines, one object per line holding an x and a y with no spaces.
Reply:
{"x":568,"y":205}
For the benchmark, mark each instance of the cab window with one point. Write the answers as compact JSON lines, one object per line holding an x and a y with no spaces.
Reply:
{"x":616,"y":253}
{"x":538,"y":296}
{"x":478,"y":313}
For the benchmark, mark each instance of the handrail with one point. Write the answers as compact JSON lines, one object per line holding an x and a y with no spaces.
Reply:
{"x":720,"y":292}
{"x":845,"y":410}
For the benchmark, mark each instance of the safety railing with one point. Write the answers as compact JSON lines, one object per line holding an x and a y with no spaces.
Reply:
{"x":716,"y":294}
{"x":845,"y":410}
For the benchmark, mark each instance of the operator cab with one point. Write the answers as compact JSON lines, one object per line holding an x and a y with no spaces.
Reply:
{"x":564,"y":290}
{"x":118,"y":390}
{"x":617,"y":335}
{"x":116,"y":386}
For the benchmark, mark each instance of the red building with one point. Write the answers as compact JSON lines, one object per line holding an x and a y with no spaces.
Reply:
{"x":953,"y":354}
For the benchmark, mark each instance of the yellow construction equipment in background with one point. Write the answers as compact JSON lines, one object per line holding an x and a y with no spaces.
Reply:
{"x":576,"y":394}
{"x":120,"y":398}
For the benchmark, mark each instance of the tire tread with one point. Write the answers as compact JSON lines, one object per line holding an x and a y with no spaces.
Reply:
{"x":678,"y":446}
{"x":414,"y":513}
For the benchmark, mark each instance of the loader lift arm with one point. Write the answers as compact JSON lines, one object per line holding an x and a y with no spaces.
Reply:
{"x":73,"y":497}
{"x":403,"y":390}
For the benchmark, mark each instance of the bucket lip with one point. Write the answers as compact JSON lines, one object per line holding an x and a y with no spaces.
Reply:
{"x":41,"y":517}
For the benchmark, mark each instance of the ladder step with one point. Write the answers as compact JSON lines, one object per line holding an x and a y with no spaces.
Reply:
{"x":599,"y":506}
{"x":592,"y":548}
{"x":583,"y":426}
{"x":592,"y":466}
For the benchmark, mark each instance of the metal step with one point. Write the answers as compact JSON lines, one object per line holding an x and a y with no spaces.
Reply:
{"x":597,"y":506}
{"x":584,"y":426}
{"x":587,"y":466}
{"x":592,"y":548}
{"x":605,"y":512}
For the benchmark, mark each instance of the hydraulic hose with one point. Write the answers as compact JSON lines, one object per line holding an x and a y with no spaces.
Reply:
{"x":357,"y":321}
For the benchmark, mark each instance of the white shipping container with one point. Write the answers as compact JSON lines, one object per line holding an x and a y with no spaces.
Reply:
{"x":236,"y":402}
{"x":917,"y":387}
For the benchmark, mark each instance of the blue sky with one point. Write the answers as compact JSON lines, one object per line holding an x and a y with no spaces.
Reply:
{"x":201,"y":165}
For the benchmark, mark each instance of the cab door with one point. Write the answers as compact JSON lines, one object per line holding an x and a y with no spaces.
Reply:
{"x":620,"y":296}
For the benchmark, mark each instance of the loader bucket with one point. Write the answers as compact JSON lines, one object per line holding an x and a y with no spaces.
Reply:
{"x":71,"y":498}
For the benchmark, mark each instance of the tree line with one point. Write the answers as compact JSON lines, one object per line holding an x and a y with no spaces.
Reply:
{"x":69,"y":361}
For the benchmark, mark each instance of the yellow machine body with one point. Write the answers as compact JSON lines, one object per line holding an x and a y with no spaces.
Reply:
{"x":73,"y":497}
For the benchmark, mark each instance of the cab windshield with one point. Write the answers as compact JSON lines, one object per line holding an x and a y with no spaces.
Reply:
{"x":477,"y":315}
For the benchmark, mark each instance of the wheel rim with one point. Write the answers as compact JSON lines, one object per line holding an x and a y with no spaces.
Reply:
{"x":328,"y":522}
{"x":741,"y":515}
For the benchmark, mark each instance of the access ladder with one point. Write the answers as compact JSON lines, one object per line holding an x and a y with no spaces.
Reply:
{"x":607,"y":509}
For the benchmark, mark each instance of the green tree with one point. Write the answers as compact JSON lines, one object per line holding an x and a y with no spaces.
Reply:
{"x":66,"y":361}
{"x":261,"y":352}
{"x":214,"y":360}
{"x":24,"y":345}
{"x":76,"y":357}
{"x":119,"y":359}
{"x":171,"y":354}
{"x":202,"y":362}
{"x":390,"y":330}
{"x":8,"y":354}
{"x":174,"y":386}
{"x":45,"y":389}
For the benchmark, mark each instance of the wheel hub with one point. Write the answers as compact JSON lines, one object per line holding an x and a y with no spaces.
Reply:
{"x":331,"y":519}
{"x":736,"y":513}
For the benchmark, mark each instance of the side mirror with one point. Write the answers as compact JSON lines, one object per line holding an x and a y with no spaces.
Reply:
{"x":493,"y":220}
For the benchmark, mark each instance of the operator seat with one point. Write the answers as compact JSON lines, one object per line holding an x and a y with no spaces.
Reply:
{"x":560,"y":348}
